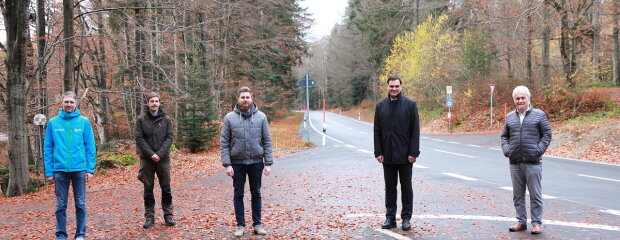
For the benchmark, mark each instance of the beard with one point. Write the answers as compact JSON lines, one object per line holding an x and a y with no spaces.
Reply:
{"x":244,"y":106}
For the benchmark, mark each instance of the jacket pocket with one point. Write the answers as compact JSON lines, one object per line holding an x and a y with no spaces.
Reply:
{"x":236,"y":149}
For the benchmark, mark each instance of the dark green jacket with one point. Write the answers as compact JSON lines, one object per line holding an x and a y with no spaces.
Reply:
{"x":154,"y":134}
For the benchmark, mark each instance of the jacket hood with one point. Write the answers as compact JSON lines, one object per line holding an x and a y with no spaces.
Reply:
{"x":66,"y":115}
{"x":252,"y":111}
{"x":146,"y":111}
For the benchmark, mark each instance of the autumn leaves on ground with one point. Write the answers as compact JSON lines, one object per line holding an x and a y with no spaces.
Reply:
{"x":115,"y":205}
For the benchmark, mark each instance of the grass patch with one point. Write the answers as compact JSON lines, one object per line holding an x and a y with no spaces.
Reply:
{"x":589,"y":117}
{"x":114,"y":159}
{"x":431,"y":113}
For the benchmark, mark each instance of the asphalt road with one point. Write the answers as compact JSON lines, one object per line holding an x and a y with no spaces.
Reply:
{"x":580,"y":196}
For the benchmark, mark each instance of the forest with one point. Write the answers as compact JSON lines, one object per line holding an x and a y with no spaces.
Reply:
{"x":197,"y":53}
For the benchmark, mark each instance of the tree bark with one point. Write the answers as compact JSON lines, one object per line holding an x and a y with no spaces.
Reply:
{"x":69,"y":83}
{"x":16,"y":24}
{"x":615,"y":51}
{"x":528,"y":48}
{"x":596,"y":40}
{"x":41,"y":48}
{"x":546,"y":66}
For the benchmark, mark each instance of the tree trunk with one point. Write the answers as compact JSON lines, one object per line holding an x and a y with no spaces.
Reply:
{"x":566,"y":47}
{"x":102,"y":98}
{"x":528,"y":49}
{"x":546,"y":79}
{"x":596,"y":41}
{"x":68,"y":80}
{"x":41,"y":47}
{"x":615,"y":50}
{"x":16,"y":24}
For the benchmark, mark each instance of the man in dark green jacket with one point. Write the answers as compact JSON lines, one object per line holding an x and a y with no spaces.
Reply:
{"x":397,"y":146}
{"x":154,"y":137}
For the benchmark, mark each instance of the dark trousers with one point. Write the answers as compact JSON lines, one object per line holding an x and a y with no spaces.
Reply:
{"x":147,"y":173}
{"x":391,"y":174}
{"x":254,"y":173}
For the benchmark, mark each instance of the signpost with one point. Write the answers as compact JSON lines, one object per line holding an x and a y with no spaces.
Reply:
{"x":307,"y":82}
{"x":492,"y":89}
{"x":449,"y":103}
{"x":40,"y":120}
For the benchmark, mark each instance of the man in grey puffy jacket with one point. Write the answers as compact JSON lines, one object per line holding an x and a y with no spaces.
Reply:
{"x":525,"y":139}
{"x":245,"y":146}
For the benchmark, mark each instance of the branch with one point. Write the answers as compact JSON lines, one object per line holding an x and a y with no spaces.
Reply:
{"x":118,"y":8}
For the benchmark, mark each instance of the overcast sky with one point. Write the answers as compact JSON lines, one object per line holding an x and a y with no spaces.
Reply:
{"x":326,"y":13}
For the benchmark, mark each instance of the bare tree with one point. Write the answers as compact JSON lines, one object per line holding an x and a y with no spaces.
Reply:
{"x":16,"y":24}
{"x":68,"y":79}
{"x":615,"y":50}
{"x":546,"y":39}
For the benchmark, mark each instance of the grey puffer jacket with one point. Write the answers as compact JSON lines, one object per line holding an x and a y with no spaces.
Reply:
{"x":526,"y":142}
{"x":245,"y":138}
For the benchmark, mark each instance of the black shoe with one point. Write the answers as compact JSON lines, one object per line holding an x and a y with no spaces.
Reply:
{"x":389,"y":223}
{"x":406,"y":225}
{"x":149,"y":223}
{"x":169,"y":221}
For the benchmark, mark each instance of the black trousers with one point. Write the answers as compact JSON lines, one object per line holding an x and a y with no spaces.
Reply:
{"x":391,"y":174}
{"x":148,"y":169}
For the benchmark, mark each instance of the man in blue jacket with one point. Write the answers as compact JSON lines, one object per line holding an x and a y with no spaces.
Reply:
{"x":69,"y":157}
{"x":525,"y":139}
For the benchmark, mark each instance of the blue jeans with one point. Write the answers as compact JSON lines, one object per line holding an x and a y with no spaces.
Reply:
{"x":62,"y":180}
{"x":254,"y":173}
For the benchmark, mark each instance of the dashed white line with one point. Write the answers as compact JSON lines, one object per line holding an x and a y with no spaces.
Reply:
{"x":528,"y":192}
{"x":611,"y":211}
{"x":498,"y":149}
{"x":472,"y":145}
{"x":438,"y":140}
{"x":312,"y":125}
{"x":424,"y":137}
{"x":601,"y":178}
{"x":364,"y":133}
{"x":458,"y":154}
{"x":419,"y":166}
{"x":494,"y":218}
{"x":459,"y":176}
{"x":364,"y":151}
{"x":454,"y":142}
{"x":349,"y":146}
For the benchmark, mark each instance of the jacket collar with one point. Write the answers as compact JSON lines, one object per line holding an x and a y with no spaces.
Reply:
{"x":66,"y":115}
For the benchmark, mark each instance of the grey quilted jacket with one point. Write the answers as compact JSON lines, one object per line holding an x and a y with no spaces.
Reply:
{"x":245,"y":138}
{"x":526,"y":142}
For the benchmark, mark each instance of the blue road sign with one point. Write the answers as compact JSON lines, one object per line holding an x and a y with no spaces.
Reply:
{"x":449,"y":102}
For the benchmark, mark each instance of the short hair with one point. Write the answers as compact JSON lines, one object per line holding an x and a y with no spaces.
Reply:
{"x":69,"y":94}
{"x":521,"y":89}
{"x":152,"y":95}
{"x":244,"y":89}
{"x":394,"y":77}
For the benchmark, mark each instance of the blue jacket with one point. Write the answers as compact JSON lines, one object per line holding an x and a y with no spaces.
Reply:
{"x":526,"y":142}
{"x":69,"y":144}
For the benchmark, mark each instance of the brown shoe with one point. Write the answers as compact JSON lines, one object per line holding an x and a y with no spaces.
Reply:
{"x":536,"y":229}
{"x":518,"y":227}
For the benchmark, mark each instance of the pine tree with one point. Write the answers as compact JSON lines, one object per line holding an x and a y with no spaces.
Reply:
{"x":197,"y":113}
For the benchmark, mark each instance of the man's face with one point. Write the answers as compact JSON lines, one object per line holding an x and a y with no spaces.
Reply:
{"x":68,"y":104}
{"x":394,"y":88}
{"x":522,"y":101}
{"x":245,"y":100}
{"x":154,"y":104}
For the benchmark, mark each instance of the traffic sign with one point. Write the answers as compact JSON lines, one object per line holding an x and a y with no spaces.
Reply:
{"x":449,"y":102}
{"x":449,"y":89}
{"x":492,"y":88}
{"x":303,"y":81}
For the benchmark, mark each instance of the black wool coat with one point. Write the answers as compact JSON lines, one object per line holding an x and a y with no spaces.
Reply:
{"x":397,"y":130}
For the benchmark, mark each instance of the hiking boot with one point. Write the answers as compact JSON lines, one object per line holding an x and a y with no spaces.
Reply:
{"x":259,"y":230}
{"x":149,"y":223}
{"x":169,"y":221}
{"x":239,"y":231}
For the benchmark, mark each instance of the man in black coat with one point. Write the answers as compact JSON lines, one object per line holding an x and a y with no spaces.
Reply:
{"x":397,"y":145}
{"x":154,"y":138}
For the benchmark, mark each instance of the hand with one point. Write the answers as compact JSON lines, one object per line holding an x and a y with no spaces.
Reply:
{"x":89,"y":176}
{"x":380,"y":159}
{"x":50,"y":180}
{"x":229,"y":171}
{"x":155,"y":157}
{"x":411,"y":159}
{"x":267,"y":170}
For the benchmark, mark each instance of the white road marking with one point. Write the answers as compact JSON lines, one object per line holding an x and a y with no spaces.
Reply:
{"x":349,"y":146}
{"x":472,"y":145}
{"x":602,"y":178}
{"x":364,"y":133}
{"x":438,"y":140}
{"x":458,"y":154}
{"x":349,"y":128}
{"x":611,"y":211}
{"x":454,"y":142}
{"x":312,"y":125}
{"x":419,"y":166}
{"x":493,"y":218}
{"x":364,"y":151}
{"x":498,"y":149}
{"x":528,"y":192}
{"x":459,"y":176}
{"x":392,"y":234}
{"x":424,"y":137}
{"x":369,"y":124}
